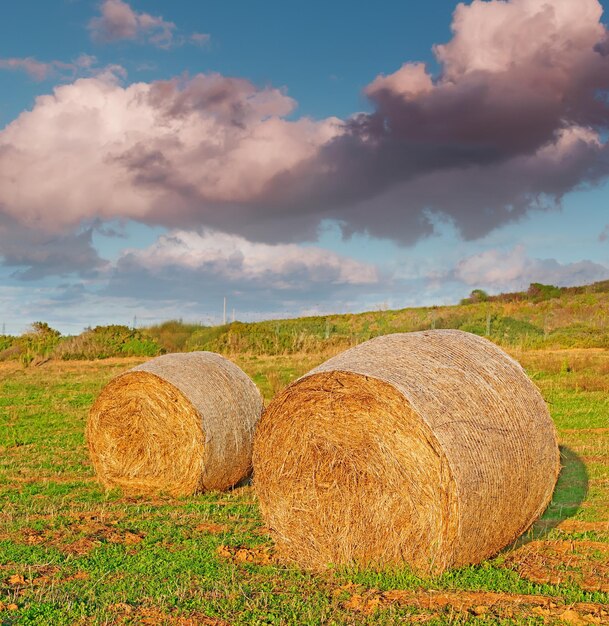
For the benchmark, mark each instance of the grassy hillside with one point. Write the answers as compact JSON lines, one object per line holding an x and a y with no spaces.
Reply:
{"x":544,"y":316}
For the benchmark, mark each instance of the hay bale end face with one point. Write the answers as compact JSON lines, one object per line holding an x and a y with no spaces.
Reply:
{"x":431,"y":449}
{"x":180,"y":424}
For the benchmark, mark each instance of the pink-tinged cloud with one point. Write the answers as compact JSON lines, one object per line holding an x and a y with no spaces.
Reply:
{"x":236,"y":259}
{"x":118,"y":21}
{"x":517,"y":78}
{"x":174,"y":152}
{"x":199,"y":269}
{"x":515,"y":119}
{"x":36,"y":69}
{"x":41,"y":70}
{"x":513,"y":269}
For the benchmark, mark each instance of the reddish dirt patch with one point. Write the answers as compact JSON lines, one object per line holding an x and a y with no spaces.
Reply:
{"x":81,"y":546}
{"x":262,"y":555}
{"x":488,"y":604}
{"x":92,"y":534}
{"x":46,"y":575}
{"x":95,"y":529}
{"x":575,"y":526}
{"x":584,"y":563}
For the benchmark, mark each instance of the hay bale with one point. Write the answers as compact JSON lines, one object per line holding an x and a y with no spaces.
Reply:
{"x":180,"y":423}
{"x":432,"y":449}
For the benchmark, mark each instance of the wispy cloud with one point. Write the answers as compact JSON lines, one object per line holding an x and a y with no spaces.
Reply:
{"x":41,"y":70}
{"x":200,"y":39}
{"x":514,"y":269}
{"x":118,"y":22}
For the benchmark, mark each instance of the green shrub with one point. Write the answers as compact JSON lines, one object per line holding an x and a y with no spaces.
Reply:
{"x":107,"y":341}
{"x":37,"y":343}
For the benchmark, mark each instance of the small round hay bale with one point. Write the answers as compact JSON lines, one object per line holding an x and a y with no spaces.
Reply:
{"x":431,"y":449}
{"x":180,"y":424}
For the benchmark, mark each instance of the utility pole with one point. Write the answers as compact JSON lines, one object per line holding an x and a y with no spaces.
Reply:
{"x":224,"y":314}
{"x":134,"y":322}
{"x":233,"y":315}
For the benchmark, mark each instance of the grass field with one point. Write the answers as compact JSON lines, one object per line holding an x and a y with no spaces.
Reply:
{"x":72,"y":554}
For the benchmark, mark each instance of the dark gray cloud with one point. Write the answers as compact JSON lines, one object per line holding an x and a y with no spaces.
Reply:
{"x":37,"y":254}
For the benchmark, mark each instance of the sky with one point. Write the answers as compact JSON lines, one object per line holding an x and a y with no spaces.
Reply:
{"x":296,"y":158}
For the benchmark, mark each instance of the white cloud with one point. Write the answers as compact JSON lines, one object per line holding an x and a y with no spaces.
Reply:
{"x":514,"y":270}
{"x":236,"y":259}
{"x":170,"y":152}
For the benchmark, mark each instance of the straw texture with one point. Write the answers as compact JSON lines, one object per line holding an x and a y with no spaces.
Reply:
{"x":432,"y":449}
{"x":180,"y":423}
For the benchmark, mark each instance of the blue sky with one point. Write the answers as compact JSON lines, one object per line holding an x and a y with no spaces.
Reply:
{"x":294,"y":157}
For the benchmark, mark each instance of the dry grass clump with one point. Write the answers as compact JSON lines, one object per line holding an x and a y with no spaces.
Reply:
{"x":180,"y":423}
{"x":431,"y":448}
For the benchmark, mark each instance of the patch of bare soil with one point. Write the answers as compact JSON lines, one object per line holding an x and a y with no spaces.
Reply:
{"x":576,"y":526}
{"x":42,"y":576}
{"x":262,"y":555}
{"x":84,"y":534}
{"x":479,"y":603}
{"x":584,"y":563}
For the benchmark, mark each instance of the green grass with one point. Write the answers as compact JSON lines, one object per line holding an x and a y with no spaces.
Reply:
{"x":90,"y":557}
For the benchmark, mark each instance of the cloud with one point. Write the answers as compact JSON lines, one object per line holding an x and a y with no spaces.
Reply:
{"x":203,"y":267}
{"x":187,"y":275}
{"x":200,"y":39}
{"x":235,"y":258}
{"x":522,"y":82}
{"x":41,"y":70}
{"x":118,"y":22}
{"x":515,"y":119}
{"x":514,"y":270}
{"x":36,"y":254}
{"x":605,"y":234}
{"x":177,"y":153}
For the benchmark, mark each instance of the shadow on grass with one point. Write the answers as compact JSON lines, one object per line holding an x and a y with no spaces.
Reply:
{"x":571,"y":490}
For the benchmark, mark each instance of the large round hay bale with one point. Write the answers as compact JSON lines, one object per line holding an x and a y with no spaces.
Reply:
{"x":431,"y":449}
{"x":180,"y":424}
